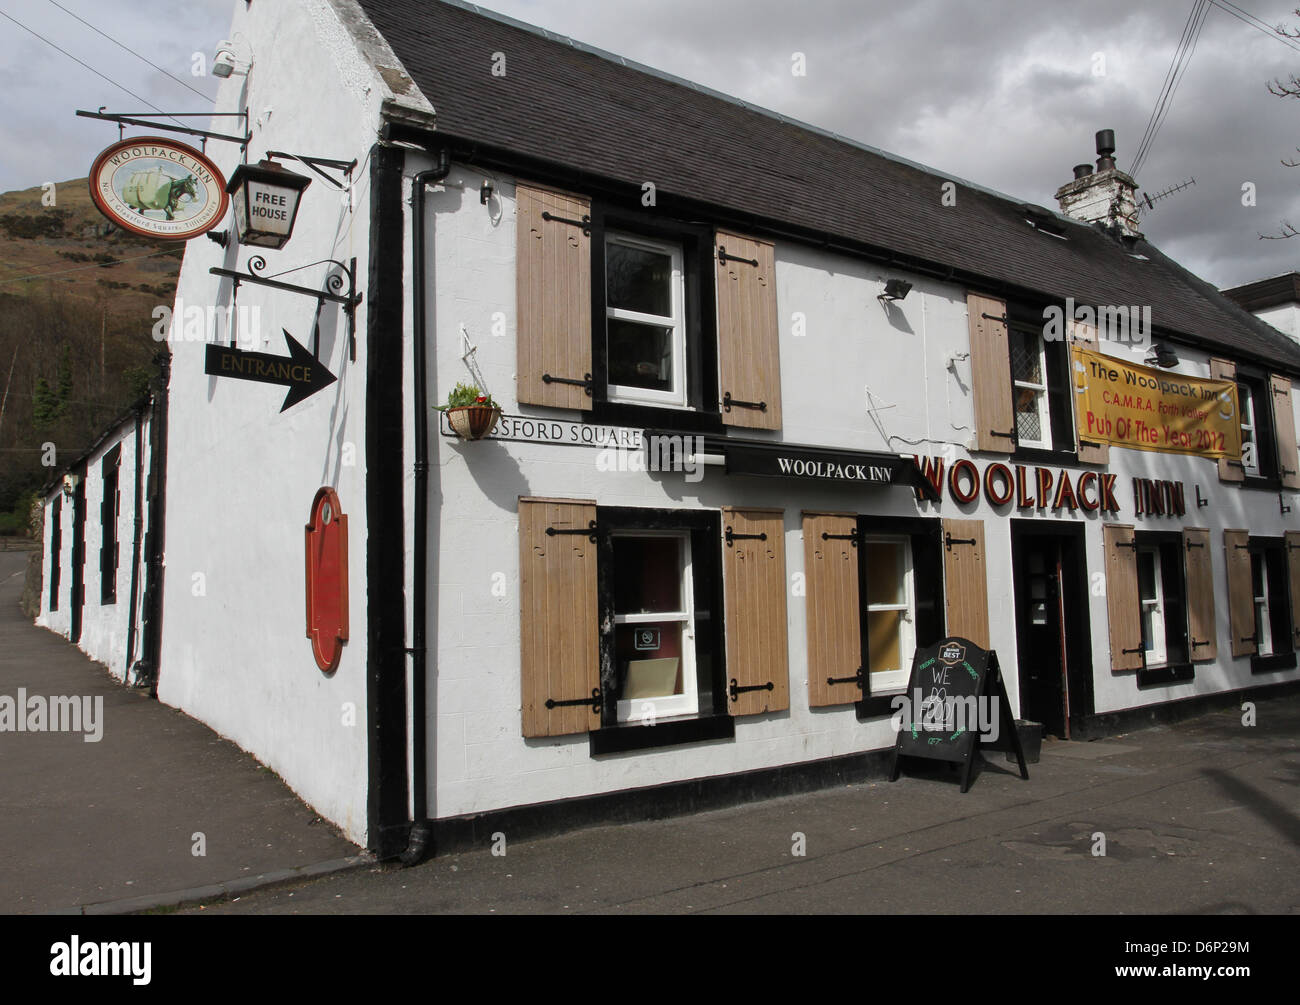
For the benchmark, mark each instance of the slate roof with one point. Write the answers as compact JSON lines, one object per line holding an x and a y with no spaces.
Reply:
{"x":588,"y":111}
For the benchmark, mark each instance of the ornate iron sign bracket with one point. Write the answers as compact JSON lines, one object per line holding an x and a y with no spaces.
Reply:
{"x":335,"y":292}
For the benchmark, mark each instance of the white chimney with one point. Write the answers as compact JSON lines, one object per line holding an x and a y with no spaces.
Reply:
{"x":1106,"y":195}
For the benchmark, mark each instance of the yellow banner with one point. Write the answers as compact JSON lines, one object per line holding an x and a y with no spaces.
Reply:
{"x":1144,"y":408}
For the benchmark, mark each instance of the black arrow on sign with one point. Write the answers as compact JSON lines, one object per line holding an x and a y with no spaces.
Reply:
{"x":300,"y":371}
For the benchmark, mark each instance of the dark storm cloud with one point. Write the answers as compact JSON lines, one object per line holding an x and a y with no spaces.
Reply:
{"x":1004,"y":93}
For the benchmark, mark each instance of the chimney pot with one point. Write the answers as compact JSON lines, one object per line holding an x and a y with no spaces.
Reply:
{"x":1105,"y":149}
{"x":1082,"y":170}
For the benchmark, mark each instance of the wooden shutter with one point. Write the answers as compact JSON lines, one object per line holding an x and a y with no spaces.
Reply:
{"x":1230,"y":469}
{"x":1288,"y":457}
{"x":749,"y":364}
{"x":1089,"y":451}
{"x":559,"y":616}
{"x":1123,"y":602}
{"x":1241,"y":592}
{"x":1202,"y":640}
{"x":1293,"y":581}
{"x":754,"y":589}
{"x":834,"y":621}
{"x":553,"y":286}
{"x":990,"y":364}
{"x":965,"y":583}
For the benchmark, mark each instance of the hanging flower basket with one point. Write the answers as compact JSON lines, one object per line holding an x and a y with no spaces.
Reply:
{"x":471,"y":413}
{"x":473,"y":422}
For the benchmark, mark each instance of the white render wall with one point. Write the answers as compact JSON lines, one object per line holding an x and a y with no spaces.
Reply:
{"x":863,"y":377}
{"x":104,"y":627}
{"x":242,"y":474}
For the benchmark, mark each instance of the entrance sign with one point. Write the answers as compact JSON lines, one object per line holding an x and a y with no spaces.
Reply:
{"x":301,"y":372}
{"x":1146,"y":408}
{"x":158,"y":188}
{"x":960,"y":690}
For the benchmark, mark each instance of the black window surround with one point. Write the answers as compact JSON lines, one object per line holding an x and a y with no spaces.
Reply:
{"x":1177,"y":666}
{"x":1282,"y":632}
{"x":925,"y":535}
{"x":56,"y":547}
{"x":711,"y":721}
{"x":108,"y":512}
{"x":701,"y":357}
{"x":1060,"y":413}
{"x":1266,"y":456}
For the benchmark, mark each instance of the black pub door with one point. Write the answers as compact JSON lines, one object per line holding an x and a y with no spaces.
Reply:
{"x":1052,"y":625}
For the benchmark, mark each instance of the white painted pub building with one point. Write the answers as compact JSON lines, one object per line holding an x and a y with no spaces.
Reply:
{"x":778,"y":409}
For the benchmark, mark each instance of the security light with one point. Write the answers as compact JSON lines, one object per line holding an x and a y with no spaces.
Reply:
{"x":1162,"y":355}
{"x":895,"y":289}
{"x":227,"y":61}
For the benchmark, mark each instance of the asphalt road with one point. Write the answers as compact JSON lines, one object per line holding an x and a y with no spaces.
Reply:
{"x":89,"y":823}
{"x":1200,"y":818}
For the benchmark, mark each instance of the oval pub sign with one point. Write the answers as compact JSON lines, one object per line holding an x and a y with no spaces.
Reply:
{"x":158,"y":188}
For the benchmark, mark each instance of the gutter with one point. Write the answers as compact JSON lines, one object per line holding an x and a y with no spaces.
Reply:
{"x":136,"y":542}
{"x":421,"y":830}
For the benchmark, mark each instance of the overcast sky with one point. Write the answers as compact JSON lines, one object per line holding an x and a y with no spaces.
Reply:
{"x":1003,"y":93}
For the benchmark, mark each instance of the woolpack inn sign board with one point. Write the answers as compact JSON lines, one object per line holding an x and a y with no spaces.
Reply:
{"x":158,"y":188}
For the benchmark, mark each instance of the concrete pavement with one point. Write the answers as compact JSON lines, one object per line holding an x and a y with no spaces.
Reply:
{"x":84,"y":824}
{"x":1198,"y":818}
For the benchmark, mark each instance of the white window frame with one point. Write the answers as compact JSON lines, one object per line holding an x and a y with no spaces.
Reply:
{"x":1041,"y":397}
{"x":1246,"y":402}
{"x":676,"y":321}
{"x":886,"y":681}
{"x":1157,"y":653}
{"x":1261,"y":604}
{"x":678,"y":706}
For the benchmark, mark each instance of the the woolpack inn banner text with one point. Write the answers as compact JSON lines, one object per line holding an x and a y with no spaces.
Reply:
{"x":1127,"y":405}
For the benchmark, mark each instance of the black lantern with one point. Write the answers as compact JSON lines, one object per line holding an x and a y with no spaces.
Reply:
{"x":265,"y":200}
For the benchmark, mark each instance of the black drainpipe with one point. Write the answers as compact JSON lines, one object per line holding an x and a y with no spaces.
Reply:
{"x":420,"y":828}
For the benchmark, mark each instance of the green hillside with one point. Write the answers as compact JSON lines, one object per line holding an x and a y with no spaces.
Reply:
{"x":77,"y":296}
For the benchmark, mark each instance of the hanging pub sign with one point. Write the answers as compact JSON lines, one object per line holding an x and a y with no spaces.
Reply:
{"x":1145,"y":408}
{"x":158,"y":188}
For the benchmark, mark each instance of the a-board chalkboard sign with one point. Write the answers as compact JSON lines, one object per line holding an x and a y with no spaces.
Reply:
{"x":953,"y":697}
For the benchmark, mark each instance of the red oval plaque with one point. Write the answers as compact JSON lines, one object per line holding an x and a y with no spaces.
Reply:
{"x":327,"y":579}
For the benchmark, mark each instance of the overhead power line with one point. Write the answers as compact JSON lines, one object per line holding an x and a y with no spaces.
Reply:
{"x":87,"y":66}
{"x":137,"y":55}
{"x":1256,"y":23}
{"x":1200,"y":11}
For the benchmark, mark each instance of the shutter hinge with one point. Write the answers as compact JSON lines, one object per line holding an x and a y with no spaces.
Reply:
{"x":1128,"y":544}
{"x":584,"y":223}
{"x":995,"y":317}
{"x":1195,"y":544}
{"x":851,"y":537}
{"x":858,"y":678}
{"x":586,"y":382}
{"x":1090,"y":443}
{"x":733,"y":536}
{"x":1137,"y":650}
{"x":728,"y":401}
{"x":589,"y":530}
{"x":724,"y":257}
{"x":737,"y":689}
{"x":593,"y":701}
{"x":949,"y":540}
{"x":1198,"y":644}
{"x":1008,"y":435}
